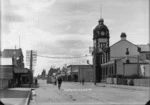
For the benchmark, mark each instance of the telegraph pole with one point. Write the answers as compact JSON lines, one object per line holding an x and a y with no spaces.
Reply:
{"x":31,"y":72}
{"x":31,"y":58}
{"x":31,"y":61}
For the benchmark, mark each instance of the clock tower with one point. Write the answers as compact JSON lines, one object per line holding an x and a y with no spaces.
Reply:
{"x":101,"y":53}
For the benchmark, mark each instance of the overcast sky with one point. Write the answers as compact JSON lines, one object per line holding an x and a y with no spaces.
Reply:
{"x":65,"y":27}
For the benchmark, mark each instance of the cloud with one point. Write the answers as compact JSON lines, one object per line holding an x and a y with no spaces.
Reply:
{"x":8,"y":16}
{"x":11,"y":17}
{"x":65,"y":45}
{"x":65,"y":27}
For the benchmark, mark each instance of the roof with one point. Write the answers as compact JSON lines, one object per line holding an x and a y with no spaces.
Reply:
{"x":124,"y":40}
{"x":144,"y":47}
{"x":12,"y":52}
{"x":21,"y":70}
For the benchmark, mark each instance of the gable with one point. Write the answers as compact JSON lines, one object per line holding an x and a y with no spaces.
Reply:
{"x":119,"y":49}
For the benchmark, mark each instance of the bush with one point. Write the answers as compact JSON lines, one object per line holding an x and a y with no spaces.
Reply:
{"x":134,"y":76}
{"x":119,"y":76}
{"x":131,"y":82}
{"x":111,"y":76}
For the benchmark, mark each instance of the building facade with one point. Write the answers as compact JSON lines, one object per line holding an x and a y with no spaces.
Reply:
{"x":101,"y":52}
{"x":79,"y":72}
{"x":12,"y":69}
{"x":122,"y":58}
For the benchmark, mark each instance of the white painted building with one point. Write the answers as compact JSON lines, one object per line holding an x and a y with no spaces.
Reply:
{"x":127,"y":59}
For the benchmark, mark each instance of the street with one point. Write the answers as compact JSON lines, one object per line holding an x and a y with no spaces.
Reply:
{"x":76,"y":94}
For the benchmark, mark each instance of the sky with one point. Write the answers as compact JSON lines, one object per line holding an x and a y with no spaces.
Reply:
{"x":64,"y":28}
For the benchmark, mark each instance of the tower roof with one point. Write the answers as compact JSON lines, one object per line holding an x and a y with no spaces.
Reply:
{"x":100,"y":26}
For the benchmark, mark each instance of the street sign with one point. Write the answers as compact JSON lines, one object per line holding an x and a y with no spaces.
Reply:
{"x":30,"y":60}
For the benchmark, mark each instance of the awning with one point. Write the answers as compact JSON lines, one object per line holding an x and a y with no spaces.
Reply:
{"x":21,"y":70}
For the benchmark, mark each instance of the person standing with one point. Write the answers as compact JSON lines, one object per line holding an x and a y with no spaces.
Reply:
{"x":59,"y":82}
{"x":83,"y":81}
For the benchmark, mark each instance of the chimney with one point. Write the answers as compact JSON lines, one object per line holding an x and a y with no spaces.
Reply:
{"x":123,"y":36}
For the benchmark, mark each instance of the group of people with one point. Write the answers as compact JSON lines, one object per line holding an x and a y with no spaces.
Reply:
{"x":59,"y":82}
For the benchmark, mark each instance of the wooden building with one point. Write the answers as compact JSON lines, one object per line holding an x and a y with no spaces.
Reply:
{"x":78,"y":72}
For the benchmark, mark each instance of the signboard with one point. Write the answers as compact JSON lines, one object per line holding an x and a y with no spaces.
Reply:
{"x":103,"y":40}
{"x":6,"y":61}
{"x":28,"y":57}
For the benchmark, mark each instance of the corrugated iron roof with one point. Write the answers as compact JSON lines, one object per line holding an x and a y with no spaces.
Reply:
{"x":144,"y":47}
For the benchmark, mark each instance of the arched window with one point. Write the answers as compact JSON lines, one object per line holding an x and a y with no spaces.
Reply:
{"x":112,"y":70}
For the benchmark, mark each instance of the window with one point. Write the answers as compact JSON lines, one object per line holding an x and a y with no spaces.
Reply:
{"x":148,"y":56}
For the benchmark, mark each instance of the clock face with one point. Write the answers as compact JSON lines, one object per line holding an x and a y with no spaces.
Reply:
{"x":102,"y":33}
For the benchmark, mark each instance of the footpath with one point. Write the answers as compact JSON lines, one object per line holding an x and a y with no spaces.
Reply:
{"x":139,"y":88}
{"x":16,"y":96}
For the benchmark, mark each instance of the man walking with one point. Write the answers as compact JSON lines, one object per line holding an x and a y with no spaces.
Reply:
{"x":83,"y":81}
{"x":59,"y":82}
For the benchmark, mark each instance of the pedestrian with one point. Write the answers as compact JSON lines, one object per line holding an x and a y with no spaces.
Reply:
{"x":83,"y":81}
{"x":36,"y":81}
{"x":59,"y":82}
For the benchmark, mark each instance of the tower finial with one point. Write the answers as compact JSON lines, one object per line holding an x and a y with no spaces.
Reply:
{"x":19,"y":41}
{"x":101,"y":11}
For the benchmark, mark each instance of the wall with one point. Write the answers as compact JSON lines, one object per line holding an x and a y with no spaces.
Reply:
{"x":141,"y":82}
{"x":145,"y":70}
{"x":86,"y":72}
{"x":130,"y":69}
{"x":119,"y":49}
{"x":119,"y":67}
{"x":6,"y":71}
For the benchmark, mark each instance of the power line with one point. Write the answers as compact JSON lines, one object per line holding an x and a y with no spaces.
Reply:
{"x":62,"y":57}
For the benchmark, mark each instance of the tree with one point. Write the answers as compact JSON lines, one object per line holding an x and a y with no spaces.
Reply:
{"x":43,"y":73}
